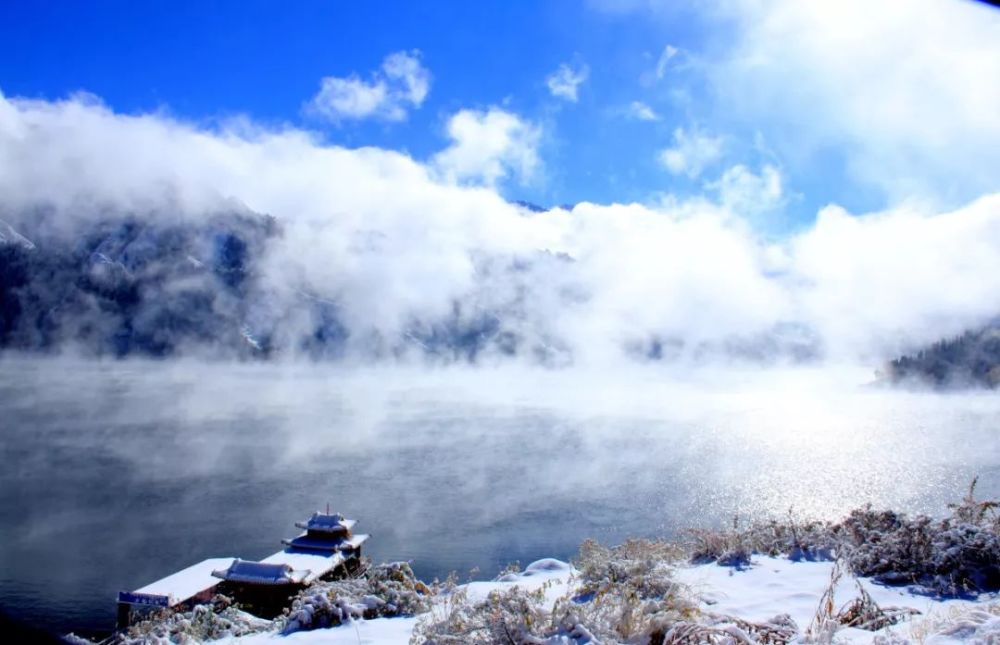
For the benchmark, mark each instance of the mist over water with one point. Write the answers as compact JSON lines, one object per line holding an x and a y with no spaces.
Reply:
{"x":117,"y":473}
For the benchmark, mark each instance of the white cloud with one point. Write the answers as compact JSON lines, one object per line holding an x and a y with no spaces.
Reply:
{"x":489,"y":146}
{"x":352,"y":98}
{"x":691,"y":153}
{"x":663,"y":62}
{"x":642,"y":112}
{"x":748,"y":193}
{"x":890,"y":277}
{"x":391,"y":241}
{"x":402,"y":82}
{"x":406,"y":68}
{"x":563,"y":82}
{"x":905,"y":89}
{"x":900,"y":92}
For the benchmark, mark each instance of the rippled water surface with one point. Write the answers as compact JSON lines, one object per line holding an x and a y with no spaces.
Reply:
{"x":115,"y":474}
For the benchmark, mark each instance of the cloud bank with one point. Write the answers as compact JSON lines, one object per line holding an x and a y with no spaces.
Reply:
{"x":398,"y":243}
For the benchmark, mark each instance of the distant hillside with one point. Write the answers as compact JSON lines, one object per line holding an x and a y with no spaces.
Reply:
{"x":971,"y":359}
{"x":130,"y":284}
{"x":126,"y":286}
{"x":160,"y":285}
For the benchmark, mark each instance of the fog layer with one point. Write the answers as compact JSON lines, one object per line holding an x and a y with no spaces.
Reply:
{"x":398,"y":245}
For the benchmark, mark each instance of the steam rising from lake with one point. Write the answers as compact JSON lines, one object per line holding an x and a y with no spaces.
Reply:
{"x":150,"y":466}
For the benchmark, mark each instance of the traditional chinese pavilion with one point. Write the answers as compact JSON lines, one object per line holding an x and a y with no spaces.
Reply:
{"x":328,"y":533}
{"x":326,"y":550}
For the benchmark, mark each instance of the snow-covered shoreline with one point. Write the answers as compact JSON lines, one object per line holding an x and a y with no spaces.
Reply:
{"x":875,"y":576}
{"x":769,"y":590}
{"x":768,"y":587}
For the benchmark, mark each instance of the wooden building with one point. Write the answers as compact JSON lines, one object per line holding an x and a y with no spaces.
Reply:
{"x":327,"y":549}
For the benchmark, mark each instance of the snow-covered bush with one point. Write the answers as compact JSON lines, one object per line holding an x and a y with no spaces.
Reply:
{"x":643,"y":567}
{"x":946,"y":556}
{"x":628,"y":594}
{"x":513,"y":616}
{"x":202,"y":623}
{"x":959,"y":554}
{"x":798,"y":539}
{"x":622,"y":595}
{"x":386,"y":590}
{"x":397,"y":586}
{"x":977,"y":624}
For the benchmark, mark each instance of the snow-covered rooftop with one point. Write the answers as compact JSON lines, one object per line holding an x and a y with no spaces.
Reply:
{"x":327,"y":523}
{"x":184,"y":584}
{"x":316,"y":563}
{"x":264,"y":573}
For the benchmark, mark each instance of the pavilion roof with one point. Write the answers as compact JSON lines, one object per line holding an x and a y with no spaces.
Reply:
{"x":261,"y":573}
{"x":327,"y":523}
{"x":318,"y":543}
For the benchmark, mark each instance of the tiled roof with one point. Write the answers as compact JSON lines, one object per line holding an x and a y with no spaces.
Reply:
{"x":260,"y":573}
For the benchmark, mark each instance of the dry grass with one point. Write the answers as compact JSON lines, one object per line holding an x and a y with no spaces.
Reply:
{"x":791,"y":536}
{"x":623,"y":594}
{"x":960,"y":623}
{"x":861,"y":612}
{"x":956,"y":555}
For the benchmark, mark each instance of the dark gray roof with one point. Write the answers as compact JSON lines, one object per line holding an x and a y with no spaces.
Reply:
{"x":315,"y":543}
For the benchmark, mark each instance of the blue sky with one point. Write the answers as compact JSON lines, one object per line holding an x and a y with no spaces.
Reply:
{"x":211,"y":61}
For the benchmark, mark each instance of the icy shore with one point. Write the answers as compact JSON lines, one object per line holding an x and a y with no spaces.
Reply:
{"x":874,"y":576}
{"x":769,"y":590}
{"x":769,"y":587}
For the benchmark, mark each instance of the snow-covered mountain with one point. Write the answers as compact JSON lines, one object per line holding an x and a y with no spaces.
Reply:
{"x":123,"y":284}
{"x":8,"y":236}
{"x":126,"y":286}
{"x":136,"y":285}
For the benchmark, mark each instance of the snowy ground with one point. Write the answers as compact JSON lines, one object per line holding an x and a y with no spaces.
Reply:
{"x":771,"y":586}
{"x":775,"y":586}
{"x":366,"y":632}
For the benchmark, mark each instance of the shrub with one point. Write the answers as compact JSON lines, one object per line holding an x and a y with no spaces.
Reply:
{"x":956,"y":555}
{"x":386,"y":590}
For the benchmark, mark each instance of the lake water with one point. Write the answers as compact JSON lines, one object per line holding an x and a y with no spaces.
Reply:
{"x":115,"y":474}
